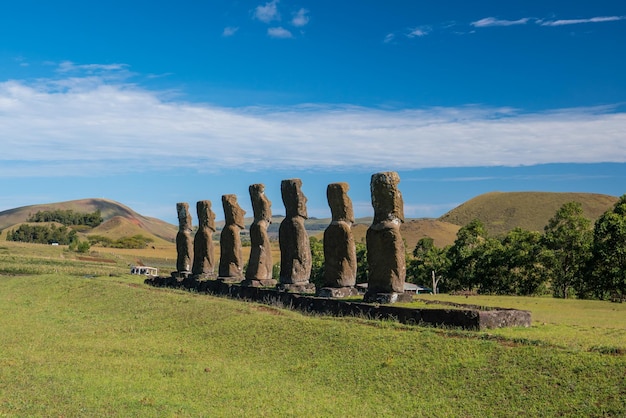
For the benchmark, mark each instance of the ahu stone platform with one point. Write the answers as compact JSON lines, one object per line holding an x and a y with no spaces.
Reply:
{"x":466,"y":317}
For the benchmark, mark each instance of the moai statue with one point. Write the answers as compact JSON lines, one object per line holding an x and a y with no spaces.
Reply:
{"x":231,"y":259}
{"x":259,"y":271}
{"x":184,"y":242}
{"x":295,"y":250}
{"x":385,"y":247}
{"x":203,"y":253}
{"x":339,"y":247}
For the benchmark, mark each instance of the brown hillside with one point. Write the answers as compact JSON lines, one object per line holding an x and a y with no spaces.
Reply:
{"x":108,"y":209}
{"x":501,"y":212}
{"x":119,"y":227}
{"x":413,"y":230}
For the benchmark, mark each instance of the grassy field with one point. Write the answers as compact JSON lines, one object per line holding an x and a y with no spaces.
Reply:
{"x":90,"y":340}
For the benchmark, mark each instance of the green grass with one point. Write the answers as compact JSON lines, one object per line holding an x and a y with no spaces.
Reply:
{"x":111,"y":346}
{"x":569,"y":323}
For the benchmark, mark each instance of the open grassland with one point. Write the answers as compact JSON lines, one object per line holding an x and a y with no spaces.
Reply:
{"x":26,"y":258}
{"x":83,"y":338}
{"x":111,"y":346}
{"x":573,"y":324}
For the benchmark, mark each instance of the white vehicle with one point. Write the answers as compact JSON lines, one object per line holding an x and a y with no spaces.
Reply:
{"x":144,"y":270}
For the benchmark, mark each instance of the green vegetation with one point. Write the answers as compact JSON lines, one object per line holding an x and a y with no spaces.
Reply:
{"x":67,"y":217}
{"x":136,"y":241}
{"x":42,"y":234}
{"x":569,"y":258}
{"x":111,"y":346}
{"x":568,"y":324}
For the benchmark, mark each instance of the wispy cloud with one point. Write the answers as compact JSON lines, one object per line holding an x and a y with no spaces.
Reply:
{"x":268,"y":12}
{"x":69,"y":67}
{"x":563,"y":22}
{"x":419,"y":32}
{"x":279,"y":32}
{"x":99,"y":125}
{"x":229,"y":31}
{"x":424,"y":30}
{"x":300,"y":18}
{"x":389,"y":38}
{"x":492,"y":21}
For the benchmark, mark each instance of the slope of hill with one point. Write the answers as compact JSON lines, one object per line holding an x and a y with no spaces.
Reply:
{"x":108,"y":208}
{"x":413,"y":230}
{"x":118,"y":227}
{"x":501,"y":212}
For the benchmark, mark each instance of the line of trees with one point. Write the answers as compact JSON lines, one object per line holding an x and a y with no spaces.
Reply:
{"x":68,"y":217}
{"x":573,"y":257}
{"x":42,"y":234}
{"x":134,"y":242}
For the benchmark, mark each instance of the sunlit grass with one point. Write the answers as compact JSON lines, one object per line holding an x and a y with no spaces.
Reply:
{"x":111,"y":346}
{"x":572,"y":323}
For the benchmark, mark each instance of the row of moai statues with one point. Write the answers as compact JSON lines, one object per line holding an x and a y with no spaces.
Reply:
{"x":385,"y":246}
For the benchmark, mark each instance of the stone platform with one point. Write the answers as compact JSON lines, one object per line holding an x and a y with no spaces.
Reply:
{"x":470,"y":317}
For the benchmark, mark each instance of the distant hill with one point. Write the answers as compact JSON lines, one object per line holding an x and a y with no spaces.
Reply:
{"x":500,"y":212}
{"x":413,"y":230}
{"x":115,"y":215}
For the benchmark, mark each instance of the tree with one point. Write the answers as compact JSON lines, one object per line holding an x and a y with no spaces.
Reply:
{"x":429,"y":263}
{"x":567,"y":238}
{"x":464,"y":255}
{"x":361,"y":263}
{"x":608,"y":262}
{"x":317,"y":261}
{"x":524,"y":257}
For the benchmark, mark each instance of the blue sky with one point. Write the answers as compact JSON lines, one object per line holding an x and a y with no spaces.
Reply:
{"x":156,"y":102}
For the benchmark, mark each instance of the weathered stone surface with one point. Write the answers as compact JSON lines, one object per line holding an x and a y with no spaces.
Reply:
{"x":385,"y":247}
{"x":259,"y":271}
{"x":295,"y":250}
{"x":203,"y":251}
{"x":340,"y":264}
{"x":470,"y":318}
{"x":337,"y":292}
{"x":184,"y":242}
{"x":231,"y":258}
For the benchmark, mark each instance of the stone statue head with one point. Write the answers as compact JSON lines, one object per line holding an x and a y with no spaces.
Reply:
{"x":339,"y":202}
{"x":184,"y":217}
{"x":293,"y":198}
{"x":206,"y":217}
{"x":261,"y":205}
{"x":386,"y":198}
{"x":233,"y":213}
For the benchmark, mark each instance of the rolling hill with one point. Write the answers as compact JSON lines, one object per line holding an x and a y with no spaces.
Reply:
{"x":500,"y":212}
{"x":115,"y":215}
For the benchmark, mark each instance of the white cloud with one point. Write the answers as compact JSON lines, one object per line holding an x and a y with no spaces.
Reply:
{"x":300,"y":18}
{"x":229,"y":31}
{"x":601,"y":19}
{"x":68,"y":66}
{"x":95,"y":125}
{"x":279,"y":32}
{"x":492,"y":21}
{"x":389,"y":38}
{"x":419,"y":32}
{"x":268,"y":12}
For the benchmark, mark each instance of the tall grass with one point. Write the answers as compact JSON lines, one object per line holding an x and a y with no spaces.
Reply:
{"x":111,"y":346}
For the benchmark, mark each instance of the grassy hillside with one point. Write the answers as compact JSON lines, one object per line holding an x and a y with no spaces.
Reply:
{"x":501,"y":212}
{"x":118,"y":227}
{"x":108,"y":208}
{"x":111,"y":346}
{"x":443,"y":233}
